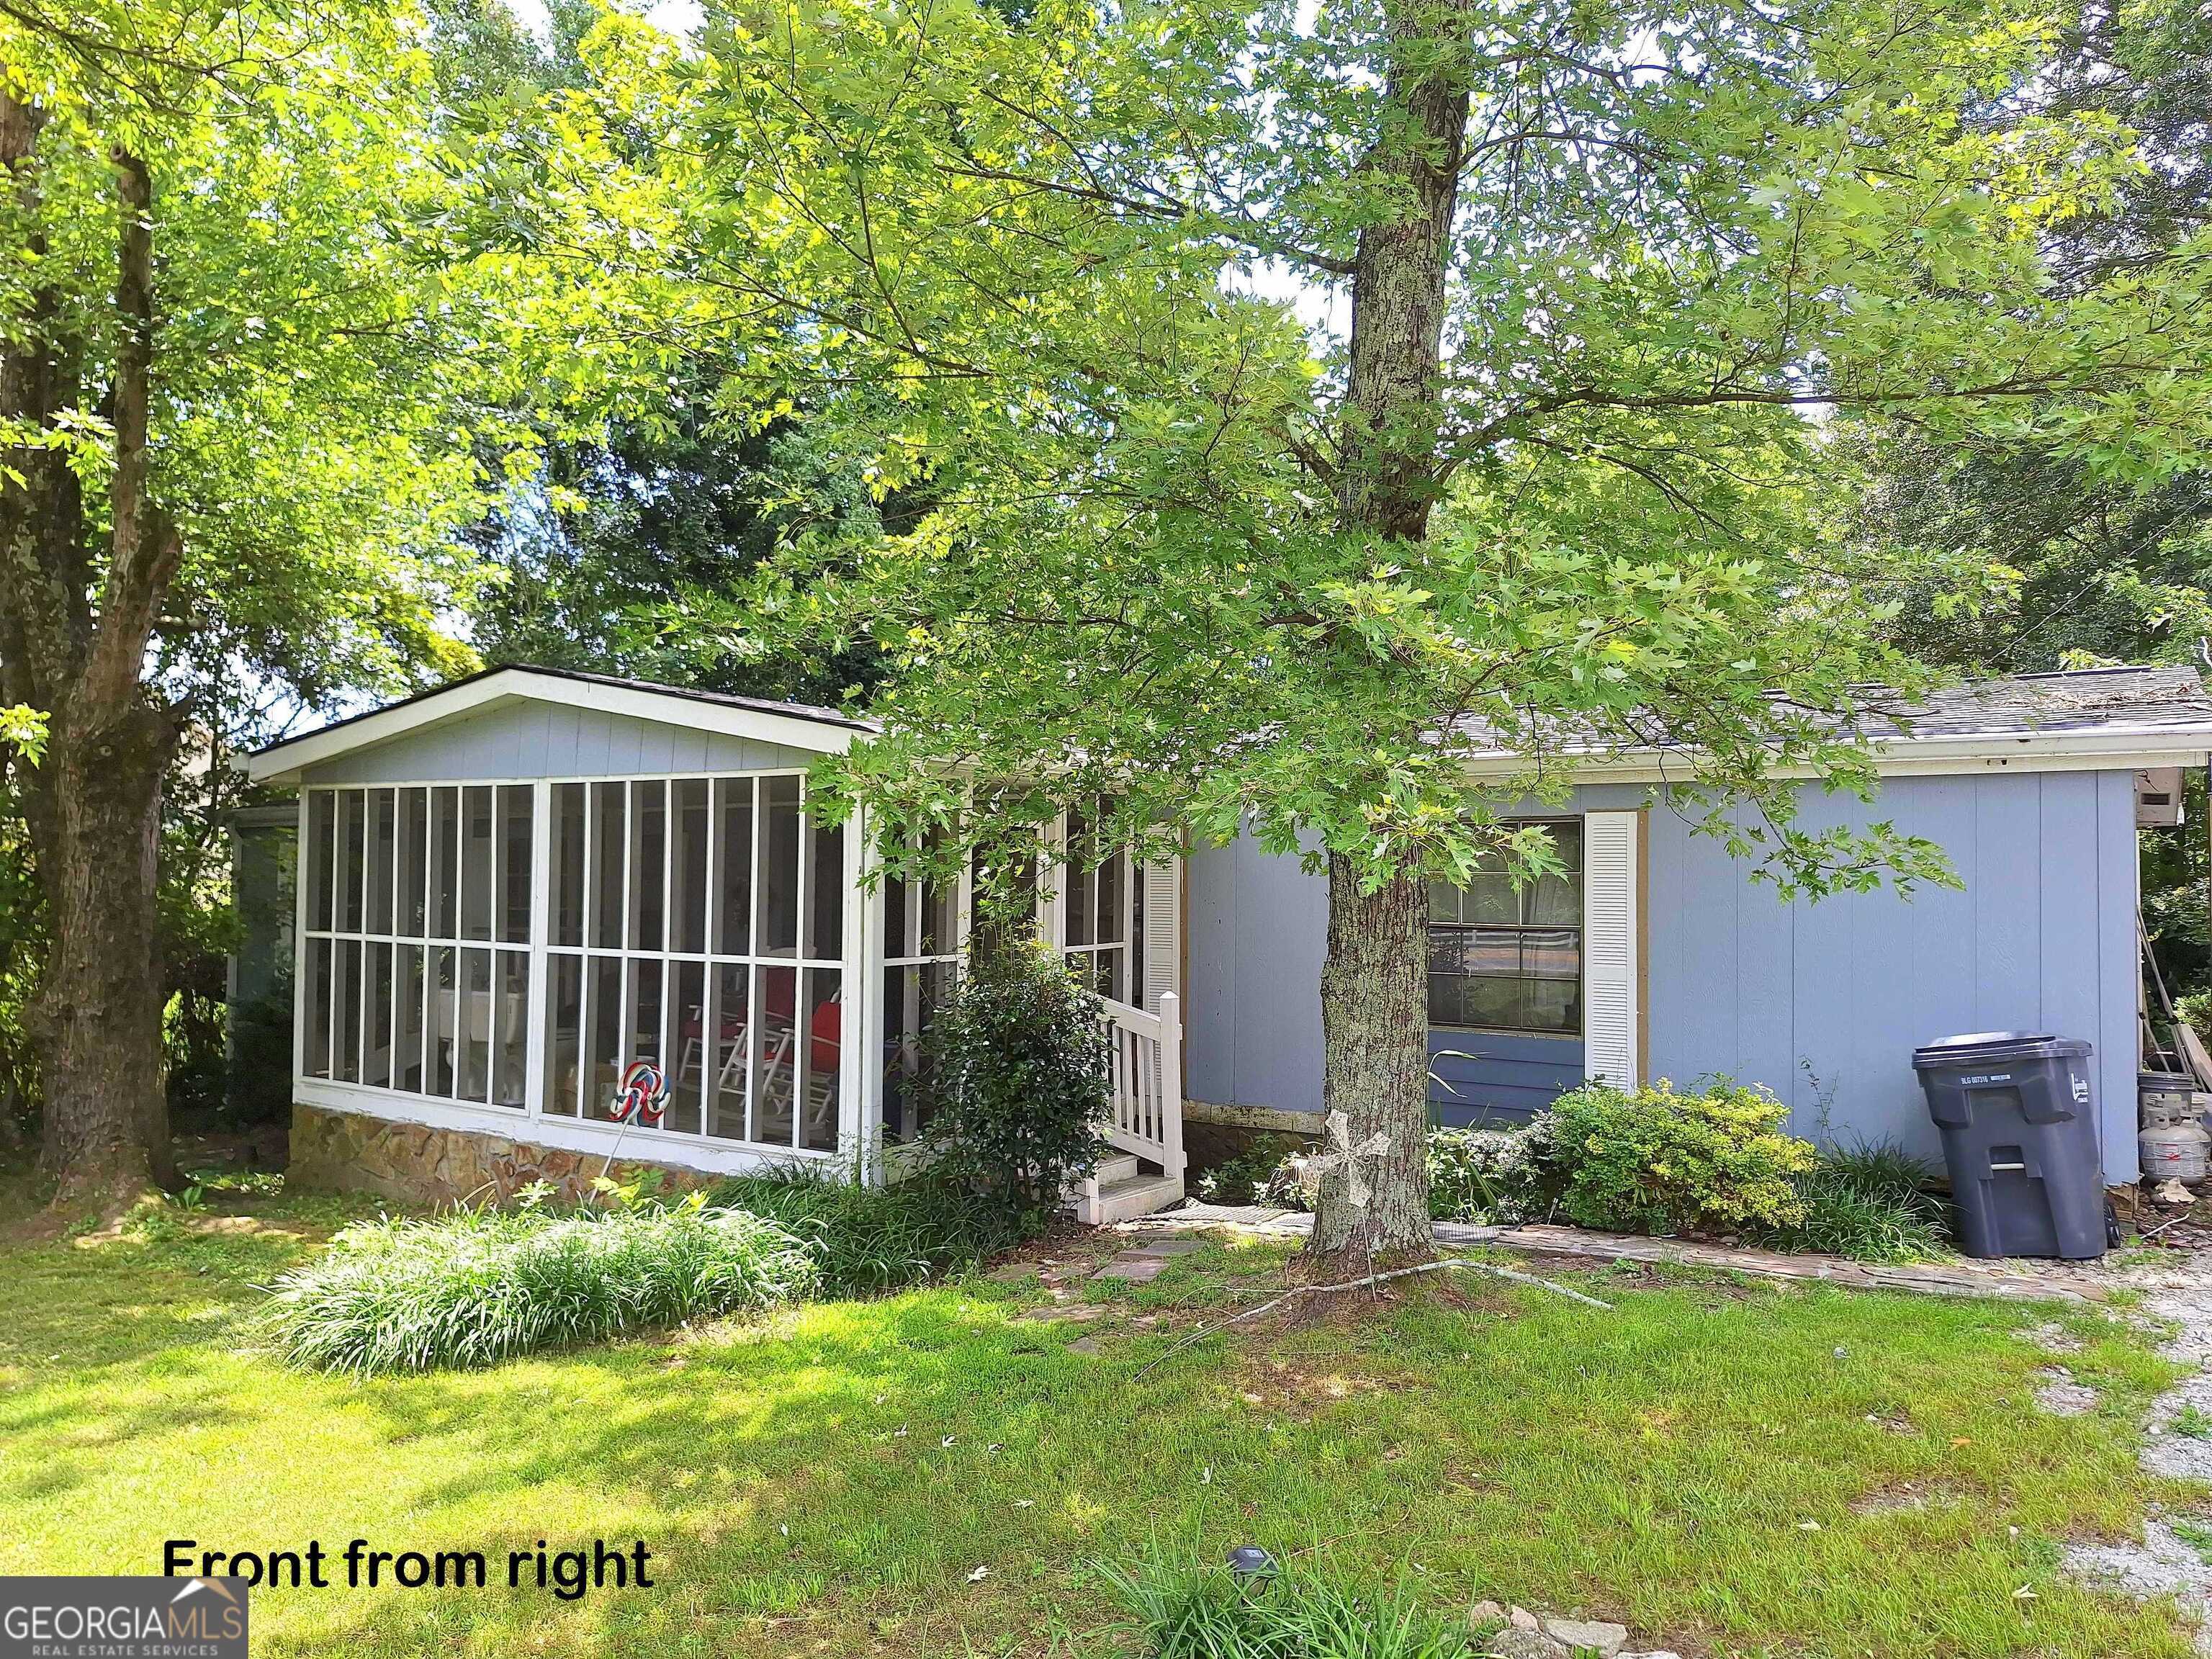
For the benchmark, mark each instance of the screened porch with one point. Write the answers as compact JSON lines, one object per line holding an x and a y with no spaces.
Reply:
{"x":496,"y":953}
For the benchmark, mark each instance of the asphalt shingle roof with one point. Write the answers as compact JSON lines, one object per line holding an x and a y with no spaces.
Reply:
{"x":2019,"y":706}
{"x":2069,"y":700}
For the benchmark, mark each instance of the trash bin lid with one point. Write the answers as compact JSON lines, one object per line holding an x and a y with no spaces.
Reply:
{"x":1983,"y":1048}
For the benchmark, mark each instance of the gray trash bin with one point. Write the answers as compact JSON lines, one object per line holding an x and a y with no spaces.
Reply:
{"x":2019,"y":1122}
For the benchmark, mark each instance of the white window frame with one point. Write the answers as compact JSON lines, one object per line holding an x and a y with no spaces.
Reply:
{"x":1580,"y":928}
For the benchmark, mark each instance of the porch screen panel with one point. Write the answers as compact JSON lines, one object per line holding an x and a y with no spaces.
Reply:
{"x":315,"y":987}
{"x":1101,"y":913}
{"x":477,"y":843}
{"x":379,"y":1041}
{"x":517,"y":808}
{"x":407,"y":1062}
{"x":688,"y":931}
{"x":412,"y":960}
{"x":921,"y":948}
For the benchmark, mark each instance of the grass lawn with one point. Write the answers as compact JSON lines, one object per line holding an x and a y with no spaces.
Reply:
{"x":830,"y":1482}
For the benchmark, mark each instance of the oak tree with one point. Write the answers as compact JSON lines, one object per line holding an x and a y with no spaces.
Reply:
{"x":1319,"y":401}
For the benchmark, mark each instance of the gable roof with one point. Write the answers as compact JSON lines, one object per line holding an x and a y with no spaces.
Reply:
{"x":799,"y":726}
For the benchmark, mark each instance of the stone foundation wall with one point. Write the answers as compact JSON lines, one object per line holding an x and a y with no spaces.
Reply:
{"x":415,"y":1164}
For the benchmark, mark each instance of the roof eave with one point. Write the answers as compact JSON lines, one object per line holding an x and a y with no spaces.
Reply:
{"x":2116,"y":748}
{"x":283,"y":764}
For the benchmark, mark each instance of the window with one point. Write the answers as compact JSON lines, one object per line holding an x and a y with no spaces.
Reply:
{"x":677,"y":937}
{"x":409,"y":984}
{"x":1510,"y":958}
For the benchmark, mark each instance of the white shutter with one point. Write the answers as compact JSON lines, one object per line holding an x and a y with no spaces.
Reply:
{"x":1611,"y":878}
{"x":1163,"y":942}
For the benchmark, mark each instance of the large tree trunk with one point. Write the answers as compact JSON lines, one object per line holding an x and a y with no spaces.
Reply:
{"x":1374,"y":1031}
{"x":94,"y":802}
{"x":1373,"y":990}
{"x":94,"y":807}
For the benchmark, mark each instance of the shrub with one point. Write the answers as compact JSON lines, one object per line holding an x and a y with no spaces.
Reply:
{"x":1257,"y":1175}
{"x":1178,"y":1612}
{"x":1660,"y":1162}
{"x":1883,"y":1168}
{"x":1478,"y":1175}
{"x":2196,"y":1009}
{"x":1016,"y":1067}
{"x":477,"y":1286}
{"x":1869,"y":1202}
{"x":1474,"y":1174}
{"x":866,"y":1240}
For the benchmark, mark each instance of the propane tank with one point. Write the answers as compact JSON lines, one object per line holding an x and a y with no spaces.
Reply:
{"x":2163,"y":1099}
{"x":2175,"y":1152}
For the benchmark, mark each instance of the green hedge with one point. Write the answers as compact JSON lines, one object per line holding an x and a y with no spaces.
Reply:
{"x":1659,"y":1161}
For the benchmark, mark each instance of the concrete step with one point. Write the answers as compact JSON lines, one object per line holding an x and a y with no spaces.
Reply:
{"x":1116,"y":1166}
{"x":1130,"y":1197}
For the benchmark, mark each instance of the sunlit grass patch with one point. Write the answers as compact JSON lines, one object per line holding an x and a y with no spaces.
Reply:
{"x":828,"y":1477}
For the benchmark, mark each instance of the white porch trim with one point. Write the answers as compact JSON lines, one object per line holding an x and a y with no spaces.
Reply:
{"x":822,"y":730}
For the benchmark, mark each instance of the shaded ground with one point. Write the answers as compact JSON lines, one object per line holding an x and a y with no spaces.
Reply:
{"x":833,"y":1481}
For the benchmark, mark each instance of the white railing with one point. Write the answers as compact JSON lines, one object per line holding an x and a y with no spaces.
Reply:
{"x":1147,"y":1082}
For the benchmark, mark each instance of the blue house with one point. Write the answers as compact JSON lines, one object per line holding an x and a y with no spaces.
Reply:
{"x":1660,"y":958}
{"x":515,"y":889}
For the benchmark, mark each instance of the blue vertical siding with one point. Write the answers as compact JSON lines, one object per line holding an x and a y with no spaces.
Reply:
{"x":1829,"y":999}
{"x":1823,"y":1003}
{"x":1498,"y":1078}
{"x":1257,"y":932}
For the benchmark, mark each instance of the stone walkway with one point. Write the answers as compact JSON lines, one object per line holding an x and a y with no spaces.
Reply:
{"x":2169,"y":1561}
{"x":2012,"y":1280}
